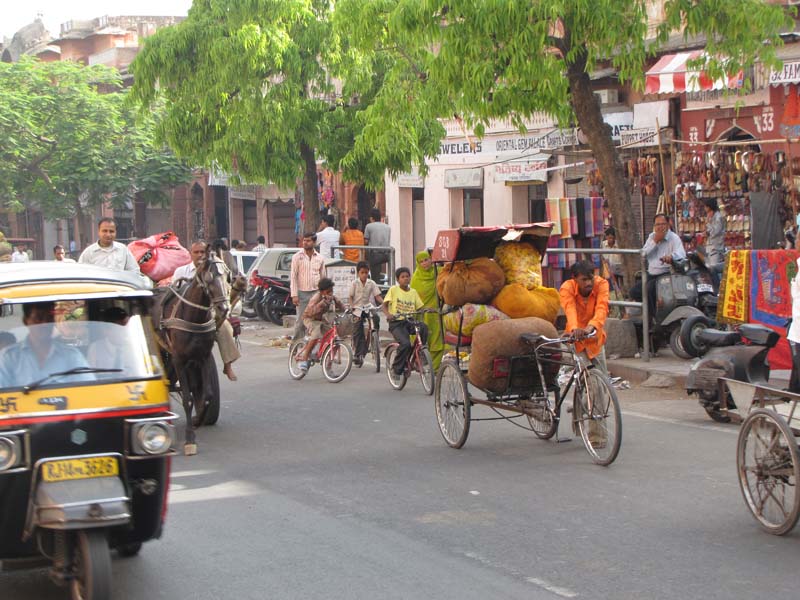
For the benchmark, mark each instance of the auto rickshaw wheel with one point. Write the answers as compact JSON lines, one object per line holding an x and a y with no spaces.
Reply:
{"x":91,"y":566}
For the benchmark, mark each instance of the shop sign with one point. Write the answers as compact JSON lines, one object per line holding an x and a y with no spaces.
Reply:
{"x":619,"y":122}
{"x":527,"y":170}
{"x":342,"y":277}
{"x":789,"y":74}
{"x":411,"y":179}
{"x":645,"y":136}
{"x":526,"y":143}
{"x":463,"y":178}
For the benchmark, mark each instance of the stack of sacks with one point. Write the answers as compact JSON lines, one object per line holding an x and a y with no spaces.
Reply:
{"x":476,"y":282}
{"x":474,"y":315}
{"x":524,"y":295}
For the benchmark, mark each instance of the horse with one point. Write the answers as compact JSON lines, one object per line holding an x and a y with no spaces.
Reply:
{"x":186,"y":318}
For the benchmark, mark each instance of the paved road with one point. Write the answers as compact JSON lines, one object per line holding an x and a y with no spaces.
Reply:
{"x":312,"y":490}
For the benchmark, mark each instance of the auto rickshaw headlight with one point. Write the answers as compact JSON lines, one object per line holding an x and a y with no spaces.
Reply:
{"x":9,"y":452}
{"x":153,"y":438}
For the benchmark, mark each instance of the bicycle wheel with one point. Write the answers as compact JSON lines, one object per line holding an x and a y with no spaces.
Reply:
{"x":768,"y":463}
{"x":600,"y":429}
{"x":294,"y":369}
{"x":540,"y":418}
{"x":336,"y":361}
{"x":398,"y":382}
{"x":375,"y":348}
{"x":425,"y":368}
{"x":452,"y":404}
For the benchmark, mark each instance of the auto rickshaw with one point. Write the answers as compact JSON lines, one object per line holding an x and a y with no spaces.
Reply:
{"x":86,"y":434}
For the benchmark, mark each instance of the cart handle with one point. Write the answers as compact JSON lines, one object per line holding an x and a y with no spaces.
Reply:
{"x":535,"y":338}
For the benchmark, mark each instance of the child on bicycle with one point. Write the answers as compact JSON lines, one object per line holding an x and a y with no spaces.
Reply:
{"x":401,"y":301}
{"x":315,"y":318}
{"x":363,"y":291}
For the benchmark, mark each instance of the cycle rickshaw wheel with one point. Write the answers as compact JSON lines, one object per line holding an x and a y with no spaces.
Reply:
{"x":600,"y":429}
{"x":375,"y":348}
{"x":768,"y":464}
{"x":541,"y":418}
{"x":337,"y":360}
{"x":294,"y":368}
{"x":398,"y":382}
{"x":425,"y":367}
{"x":452,"y":404}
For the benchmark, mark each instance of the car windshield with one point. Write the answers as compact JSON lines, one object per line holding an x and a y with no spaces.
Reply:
{"x":95,"y":341}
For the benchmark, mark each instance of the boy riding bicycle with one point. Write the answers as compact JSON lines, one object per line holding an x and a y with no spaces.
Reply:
{"x":363,"y":292}
{"x":401,"y":301}
{"x":314,"y":318}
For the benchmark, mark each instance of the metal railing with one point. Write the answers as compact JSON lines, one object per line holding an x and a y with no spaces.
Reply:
{"x":643,"y":305}
{"x":390,"y":280}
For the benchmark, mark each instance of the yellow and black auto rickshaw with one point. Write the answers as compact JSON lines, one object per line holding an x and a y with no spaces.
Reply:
{"x":86,"y":434}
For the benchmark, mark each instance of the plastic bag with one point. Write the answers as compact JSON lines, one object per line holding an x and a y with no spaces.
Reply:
{"x":159,"y":255}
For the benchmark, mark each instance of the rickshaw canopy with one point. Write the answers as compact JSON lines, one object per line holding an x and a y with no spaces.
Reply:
{"x":467,"y":243}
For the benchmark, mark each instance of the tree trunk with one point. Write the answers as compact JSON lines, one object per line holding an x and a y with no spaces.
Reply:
{"x":310,"y":195}
{"x":615,"y":187}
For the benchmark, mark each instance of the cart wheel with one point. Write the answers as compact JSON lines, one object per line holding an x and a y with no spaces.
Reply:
{"x":540,"y":418}
{"x":600,"y":429}
{"x":92,"y":567}
{"x":425,"y":367}
{"x":375,"y":348}
{"x":452,"y":404}
{"x":397,"y":382}
{"x":294,"y":369}
{"x":769,"y":470}
{"x":337,"y":361}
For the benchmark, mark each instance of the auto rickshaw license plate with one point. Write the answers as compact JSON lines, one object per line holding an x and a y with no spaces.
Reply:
{"x":80,"y":468}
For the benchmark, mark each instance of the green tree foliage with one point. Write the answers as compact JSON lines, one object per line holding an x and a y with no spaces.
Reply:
{"x":248,"y":86}
{"x":69,"y":141}
{"x":512,"y":58}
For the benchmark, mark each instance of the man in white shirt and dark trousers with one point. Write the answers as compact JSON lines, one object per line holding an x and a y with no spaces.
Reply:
{"x":328,"y":237}
{"x":106,"y":252}
{"x":377,"y":233}
{"x":308,"y":267}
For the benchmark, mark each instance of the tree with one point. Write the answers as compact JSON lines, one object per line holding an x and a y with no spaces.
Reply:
{"x":70,"y":142}
{"x":510,"y":59}
{"x":248,"y":89}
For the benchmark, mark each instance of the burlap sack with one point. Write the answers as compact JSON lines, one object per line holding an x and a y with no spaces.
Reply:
{"x":501,"y":338}
{"x":477,"y":282}
{"x":518,"y":302}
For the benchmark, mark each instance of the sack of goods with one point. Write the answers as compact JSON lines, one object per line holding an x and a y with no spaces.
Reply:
{"x":501,"y":339}
{"x":521,"y":263}
{"x":159,"y":255}
{"x":476,"y":282}
{"x":516,"y":301}
{"x":474,"y":315}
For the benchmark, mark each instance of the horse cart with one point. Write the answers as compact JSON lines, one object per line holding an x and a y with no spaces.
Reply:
{"x":767,"y":457}
{"x":534,"y":383}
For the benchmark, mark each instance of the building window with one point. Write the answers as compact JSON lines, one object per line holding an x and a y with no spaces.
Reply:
{"x":537,"y":211}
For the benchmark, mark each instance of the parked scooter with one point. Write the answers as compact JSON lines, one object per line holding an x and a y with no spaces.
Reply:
{"x":707,"y":300}
{"x":253,"y":295}
{"x":276,"y":301}
{"x":730,"y":357}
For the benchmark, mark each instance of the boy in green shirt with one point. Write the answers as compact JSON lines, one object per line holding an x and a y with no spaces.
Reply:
{"x":400,"y":301}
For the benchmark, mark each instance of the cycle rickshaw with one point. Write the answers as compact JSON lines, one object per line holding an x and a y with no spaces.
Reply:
{"x":531,"y":388}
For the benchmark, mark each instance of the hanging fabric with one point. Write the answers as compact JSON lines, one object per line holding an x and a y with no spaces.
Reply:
{"x":554,"y":215}
{"x":563,"y":207}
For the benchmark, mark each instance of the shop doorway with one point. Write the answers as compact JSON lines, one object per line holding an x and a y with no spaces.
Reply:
{"x":418,"y":219}
{"x":221,"y":211}
{"x":280,"y":224}
{"x":473,"y":208}
{"x":250,"y":215}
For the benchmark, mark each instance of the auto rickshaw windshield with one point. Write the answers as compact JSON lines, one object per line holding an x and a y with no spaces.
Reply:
{"x":93,"y":340}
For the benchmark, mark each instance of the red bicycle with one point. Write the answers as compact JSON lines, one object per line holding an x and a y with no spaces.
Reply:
{"x":419,"y":360}
{"x":334,"y":355}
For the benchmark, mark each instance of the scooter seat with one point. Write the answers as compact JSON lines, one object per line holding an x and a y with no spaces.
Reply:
{"x":717,"y":338}
{"x":760,"y":335}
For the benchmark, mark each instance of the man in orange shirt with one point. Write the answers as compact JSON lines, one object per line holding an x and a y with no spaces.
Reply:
{"x":584,"y":299}
{"x":352,"y":236}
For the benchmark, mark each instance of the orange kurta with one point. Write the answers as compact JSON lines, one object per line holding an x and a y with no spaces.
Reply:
{"x":582,"y":312}
{"x":352,"y":237}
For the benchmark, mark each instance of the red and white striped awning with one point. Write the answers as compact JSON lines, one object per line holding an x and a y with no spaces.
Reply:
{"x":670,"y":75}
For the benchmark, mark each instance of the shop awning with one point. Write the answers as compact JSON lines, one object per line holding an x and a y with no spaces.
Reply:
{"x":671,"y":75}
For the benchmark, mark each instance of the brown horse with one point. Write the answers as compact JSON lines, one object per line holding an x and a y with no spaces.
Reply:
{"x":186,"y":318}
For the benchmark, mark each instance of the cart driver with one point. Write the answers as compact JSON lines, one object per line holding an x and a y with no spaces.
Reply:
{"x":584,"y":299}
{"x":39,"y":353}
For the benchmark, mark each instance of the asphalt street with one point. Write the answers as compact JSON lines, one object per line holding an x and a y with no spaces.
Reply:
{"x":309,"y":490}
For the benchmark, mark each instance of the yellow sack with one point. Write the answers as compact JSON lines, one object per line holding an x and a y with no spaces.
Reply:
{"x":476,"y":281}
{"x":521,"y":263}
{"x":517,"y":302}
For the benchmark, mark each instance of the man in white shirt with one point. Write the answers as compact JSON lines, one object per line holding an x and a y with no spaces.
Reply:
{"x":60,"y":255}
{"x":227,"y":345}
{"x":261,"y":246}
{"x":328,"y":237}
{"x":108,"y":253}
{"x":377,"y":233}
{"x":19,"y":254}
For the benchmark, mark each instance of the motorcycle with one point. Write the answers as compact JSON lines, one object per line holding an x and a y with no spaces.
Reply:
{"x":707,"y":300}
{"x":253,"y":294}
{"x":276,"y":301}
{"x":739,"y":355}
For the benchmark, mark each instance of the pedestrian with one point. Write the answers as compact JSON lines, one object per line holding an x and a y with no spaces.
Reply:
{"x":424,"y":281}
{"x":616,"y":269}
{"x":316,"y":318}
{"x":60,"y":255}
{"x":377,"y":234}
{"x":307,"y":268}
{"x":363,"y":292}
{"x":402,"y":301}
{"x":241,"y":245}
{"x":715,"y":239}
{"x":19,"y":254}
{"x":328,"y":237}
{"x":352,"y":236}
{"x":261,"y":245}
{"x":106,"y":251}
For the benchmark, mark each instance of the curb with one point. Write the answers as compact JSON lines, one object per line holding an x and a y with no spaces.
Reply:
{"x":639,"y":374}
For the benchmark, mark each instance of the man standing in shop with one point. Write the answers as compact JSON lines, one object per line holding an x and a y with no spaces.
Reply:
{"x":308,"y":267}
{"x":107,"y":252}
{"x":377,"y":233}
{"x":715,"y":239}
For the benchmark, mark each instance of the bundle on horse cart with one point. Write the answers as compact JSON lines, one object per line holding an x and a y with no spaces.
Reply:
{"x":521,"y":263}
{"x":159,"y":255}
{"x":518,"y":302}
{"x":501,"y":339}
{"x":473,"y":315}
{"x":476,"y":281}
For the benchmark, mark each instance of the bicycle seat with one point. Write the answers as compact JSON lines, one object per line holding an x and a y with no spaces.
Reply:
{"x":718,"y":338}
{"x":530,"y":338}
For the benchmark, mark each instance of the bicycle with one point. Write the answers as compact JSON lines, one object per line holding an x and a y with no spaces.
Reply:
{"x":419,"y":359}
{"x":331,"y":352}
{"x":371,"y":333}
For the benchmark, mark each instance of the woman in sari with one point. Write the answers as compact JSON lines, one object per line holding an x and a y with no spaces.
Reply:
{"x":424,"y":281}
